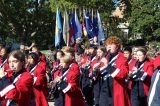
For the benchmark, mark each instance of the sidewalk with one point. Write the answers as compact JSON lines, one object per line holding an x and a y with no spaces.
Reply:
{"x":51,"y":103}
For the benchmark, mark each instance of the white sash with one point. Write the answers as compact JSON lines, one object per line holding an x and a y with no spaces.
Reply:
{"x":14,"y":82}
{"x":3,"y":63}
{"x":153,"y":89}
{"x":32,"y":70}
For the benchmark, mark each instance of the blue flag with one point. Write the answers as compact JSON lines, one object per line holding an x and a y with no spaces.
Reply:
{"x":88,"y":23}
{"x":95,"y":26}
{"x":100,"y":30}
{"x":74,"y":26}
{"x":79,"y":26}
{"x":58,"y":30}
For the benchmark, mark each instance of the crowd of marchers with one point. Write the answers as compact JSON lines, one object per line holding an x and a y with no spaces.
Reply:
{"x":106,"y":74}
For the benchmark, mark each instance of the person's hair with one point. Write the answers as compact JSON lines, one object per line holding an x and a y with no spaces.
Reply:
{"x":66,"y":59}
{"x":22,"y":43}
{"x":4,"y":49}
{"x":144,"y":47}
{"x":18,"y":55}
{"x":142,"y":50}
{"x":128,"y":48}
{"x":68,"y":50}
{"x":61,"y":52}
{"x":34,"y":56}
{"x":102,"y":48}
{"x":114,"y":40}
{"x":35,"y":46}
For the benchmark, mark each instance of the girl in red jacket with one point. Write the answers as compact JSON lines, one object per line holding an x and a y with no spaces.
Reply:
{"x":141,"y":78}
{"x":72,"y":91}
{"x":40,"y":80}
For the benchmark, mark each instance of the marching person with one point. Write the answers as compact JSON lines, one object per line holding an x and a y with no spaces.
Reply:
{"x":131,"y":62}
{"x":140,"y":77}
{"x":128,"y":55}
{"x":72,"y":91}
{"x":154,"y":91}
{"x":84,"y":64}
{"x":113,"y":90}
{"x":98,"y":64}
{"x":40,"y":80}
{"x":4,"y":64}
{"x":3,"y":58}
{"x":18,"y":90}
{"x":56,"y":85}
{"x":42,"y":57}
{"x":56,"y":63}
{"x":78,"y":49}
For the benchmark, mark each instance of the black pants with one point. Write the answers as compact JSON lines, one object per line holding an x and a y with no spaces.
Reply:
{"x":138,"y":101}
{"x":96,"y":90}
{"x":106,"y":94}
{"x":138,"y":97}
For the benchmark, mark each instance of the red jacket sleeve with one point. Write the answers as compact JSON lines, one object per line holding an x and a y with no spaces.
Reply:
{"x":122,"y":68}
{"x":22,"y":87}
{"x":72,"y":79}
{"x":39,"y":76}
{"x":148,"y":68}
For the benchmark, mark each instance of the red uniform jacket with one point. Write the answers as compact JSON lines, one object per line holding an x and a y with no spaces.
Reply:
{"x":120,"y":94}
{"x":42,"y":57}
{"x":40,"y":86}
{"x":8,"y":75}
{"x":83,"y":60}
{"x":55,"y":65}
{"x":94,"y":62}
{"x":151,"y":60}
{"x":20,"y":92}
{"x":148,"y":69}
{"x":73,"y":94}
{"x":43,"y":61}
{"x":131,"y":64}
{"x":156,"y":62}
{"x":6,"y":65}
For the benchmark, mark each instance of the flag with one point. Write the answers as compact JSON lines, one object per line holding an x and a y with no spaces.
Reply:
{"x":95,"y":25}
{"x":78,"y":26}
{"x":100,"y":30}
{"x":83,"y":24}
{"x":66,"y":28}
{"x":88,"y":23}
{"x":58,"y":30}
{"x":73,"y":30}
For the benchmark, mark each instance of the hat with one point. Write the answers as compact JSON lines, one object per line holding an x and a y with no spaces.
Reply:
{"x":35,"y":56}
{"x":129,"y":49}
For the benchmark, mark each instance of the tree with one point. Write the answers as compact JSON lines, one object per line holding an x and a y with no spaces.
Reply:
{"x":25,"y":19}
{"x":145,"y":18}
{"x":105,"y":7}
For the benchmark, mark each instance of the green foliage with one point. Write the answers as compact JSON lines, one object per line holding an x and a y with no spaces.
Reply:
{"x":145,"y":17}
{"x":105,"y":8}
{"x":25,"y":20}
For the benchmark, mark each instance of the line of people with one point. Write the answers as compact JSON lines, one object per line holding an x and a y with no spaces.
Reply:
{"x":111,"y":76}
{"x":105,"y":75}
{"x":23,"y":79}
